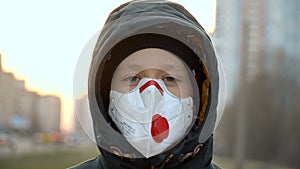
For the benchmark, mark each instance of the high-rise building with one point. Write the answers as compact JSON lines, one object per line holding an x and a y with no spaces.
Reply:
{"x":8,"y":97}
{"x":0,"y":63}
{"x":83,"y":121}
{"x":257,"y":36}
{"x":48,"y":113}
{"x":283,"y":36}
{"x":227,"y":40}
{"x":261,"y":38}
{"x":25,"y":110}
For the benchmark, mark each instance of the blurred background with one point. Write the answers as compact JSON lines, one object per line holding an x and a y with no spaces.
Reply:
{"x":258,"y":42}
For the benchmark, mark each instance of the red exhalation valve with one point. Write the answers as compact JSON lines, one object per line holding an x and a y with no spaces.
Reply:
{"x":159,"y":128}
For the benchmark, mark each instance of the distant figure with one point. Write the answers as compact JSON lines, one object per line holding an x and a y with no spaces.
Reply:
{"x":153,"y":90}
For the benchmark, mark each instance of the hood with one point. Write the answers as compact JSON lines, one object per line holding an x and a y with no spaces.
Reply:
{"x":165,"y":19}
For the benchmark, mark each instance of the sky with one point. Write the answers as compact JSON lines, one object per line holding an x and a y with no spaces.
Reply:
{"x":41,"y":40}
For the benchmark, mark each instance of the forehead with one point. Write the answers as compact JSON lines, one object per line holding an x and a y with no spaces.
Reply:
{"x":153,"y":58}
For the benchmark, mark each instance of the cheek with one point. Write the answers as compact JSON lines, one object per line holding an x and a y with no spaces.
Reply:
{"x":181,"y":91}
{"x":186,"y":90}
{"x":118,"y":86}
{"x":175,"y":91}
{"x":121,"y":86}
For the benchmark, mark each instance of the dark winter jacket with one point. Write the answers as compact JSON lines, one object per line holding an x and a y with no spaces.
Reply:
{"x":179,"y":160}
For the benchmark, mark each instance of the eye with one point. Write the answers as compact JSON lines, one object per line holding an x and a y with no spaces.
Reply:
{"x":169,"y":79}
{"x":133,"y":79}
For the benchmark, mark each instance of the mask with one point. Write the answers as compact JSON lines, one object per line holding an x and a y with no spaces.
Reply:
{"x":150,"y":117}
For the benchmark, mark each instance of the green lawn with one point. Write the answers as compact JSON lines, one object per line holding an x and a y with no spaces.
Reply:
{"x":62,"y":157}
{"x":226,"y":163}
{"x":59,"y":158}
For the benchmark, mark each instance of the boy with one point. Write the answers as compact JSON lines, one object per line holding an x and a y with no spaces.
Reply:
{"x":153,"y":89}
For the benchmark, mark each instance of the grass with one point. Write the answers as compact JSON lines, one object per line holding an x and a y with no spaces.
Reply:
{"x":59,"y":158}
{"x":226,"y":163}
{"x":62,"y":157}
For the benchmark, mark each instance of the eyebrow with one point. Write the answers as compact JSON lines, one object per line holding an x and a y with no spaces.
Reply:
{"x":170,"y":67}
{"x":132,"y":66}
{"x":164,"y":66}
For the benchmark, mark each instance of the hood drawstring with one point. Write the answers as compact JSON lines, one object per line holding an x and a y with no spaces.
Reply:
{"x":163,"y":163}
{"x":119,"y":153}
{"x":192,"y":154}
{"x":182,"y":157}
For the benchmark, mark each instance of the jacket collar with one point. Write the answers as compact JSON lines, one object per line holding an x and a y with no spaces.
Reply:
{"x":190,"y":154}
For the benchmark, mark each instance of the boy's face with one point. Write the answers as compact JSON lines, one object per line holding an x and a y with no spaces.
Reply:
{"x":156,"y":64}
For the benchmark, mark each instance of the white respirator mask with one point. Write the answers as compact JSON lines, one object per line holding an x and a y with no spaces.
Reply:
{"x":150,"y":117}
